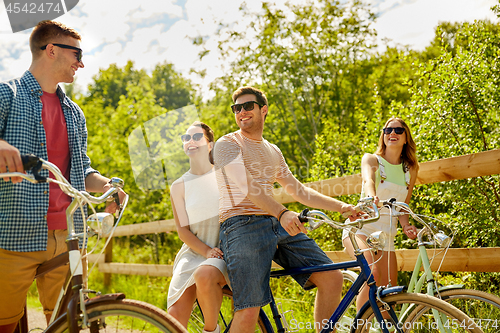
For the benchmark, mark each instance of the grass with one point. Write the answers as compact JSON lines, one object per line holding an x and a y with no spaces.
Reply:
{"x":32,"y":300}
{"x":296,"y":304}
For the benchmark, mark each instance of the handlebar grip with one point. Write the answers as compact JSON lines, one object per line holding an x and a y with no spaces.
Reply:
{"x":29,"y":161}
{"x":117,"y":200}
{"x":303,"y":215}
{"x":346,"y":214}
{"x":33,"y":163}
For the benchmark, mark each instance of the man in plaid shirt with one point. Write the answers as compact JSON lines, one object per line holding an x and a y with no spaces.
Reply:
{"x":36,"y":117}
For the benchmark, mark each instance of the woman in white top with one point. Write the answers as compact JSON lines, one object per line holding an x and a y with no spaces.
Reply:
{"x":389,"y":173}
{"x":199,"y":269}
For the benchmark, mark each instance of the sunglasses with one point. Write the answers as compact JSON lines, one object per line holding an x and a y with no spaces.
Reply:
{"x":397,"y":130}
{"x":79,"y":55}
{"x":196,"y":137}
{"x":248,"y":106}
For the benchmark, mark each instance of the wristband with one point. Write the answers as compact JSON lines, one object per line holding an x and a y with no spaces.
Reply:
{"x":281,"y":214}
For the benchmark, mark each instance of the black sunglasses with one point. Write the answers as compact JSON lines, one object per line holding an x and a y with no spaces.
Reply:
{"x":195,"y":136}
{"x":398,"y":130}
{"x":248,"y":106}
{"x":79,"y":55}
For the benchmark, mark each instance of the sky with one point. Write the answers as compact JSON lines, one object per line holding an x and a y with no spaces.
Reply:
{"x":149,"y":32}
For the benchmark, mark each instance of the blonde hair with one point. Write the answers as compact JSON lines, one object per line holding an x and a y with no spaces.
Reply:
{"x":409,"y":153}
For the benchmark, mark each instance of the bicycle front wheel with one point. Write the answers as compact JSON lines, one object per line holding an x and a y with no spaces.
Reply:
{"x":483,"y":308}
{"x":122,"y":316}
{"x":426,"y":314}
{"x":226,"y":312}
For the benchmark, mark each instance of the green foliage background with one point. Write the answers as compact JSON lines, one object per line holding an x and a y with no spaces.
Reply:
{"x":329,"y":92}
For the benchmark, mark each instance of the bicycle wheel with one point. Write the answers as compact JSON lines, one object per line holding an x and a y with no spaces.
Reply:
{"x":122,"y":316}
{"x":225,"y":315}
{"x":348,"y":317}
{"x":483,"y":308}
{"x":424,"y":315}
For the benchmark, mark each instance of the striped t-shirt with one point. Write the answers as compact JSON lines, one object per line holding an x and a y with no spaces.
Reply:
{"x":263,"y":160}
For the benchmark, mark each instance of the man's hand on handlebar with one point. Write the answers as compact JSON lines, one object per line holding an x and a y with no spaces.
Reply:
{"x":290,"y":222}
{"x":351,"y":212}
{"x":112,"y":207}
{"x":10,"y":159}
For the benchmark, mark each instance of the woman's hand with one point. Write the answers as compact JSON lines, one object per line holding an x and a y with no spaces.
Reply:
{"x":215,"y":253}
{"x":410,"y":231}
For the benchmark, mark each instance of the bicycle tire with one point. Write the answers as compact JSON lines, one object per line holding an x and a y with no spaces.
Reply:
{"x":421,"y":317}
{"x":482,"y":307}
{"x":350,"y":313}
{"x":195,"y":324}
{"x":120,"y":315}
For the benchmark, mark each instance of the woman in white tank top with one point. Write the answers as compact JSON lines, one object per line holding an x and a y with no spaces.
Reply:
{"x":199,"y":270}
{"x":389,"y":173}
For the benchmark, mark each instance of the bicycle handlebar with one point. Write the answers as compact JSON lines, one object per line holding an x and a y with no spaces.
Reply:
{"x":437,"y":236}
{"x":35,"y":165}
{"x":364,"y":205}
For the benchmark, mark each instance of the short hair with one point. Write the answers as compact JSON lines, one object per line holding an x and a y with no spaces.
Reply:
{"x":47,"y":32}
{"x":209,"y":134}
{"x":261,"y":97}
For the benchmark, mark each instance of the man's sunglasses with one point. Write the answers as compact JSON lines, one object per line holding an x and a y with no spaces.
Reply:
{"x":398,"y":130}
{"x":195,"y":136}
{"x":79,"y":55}
{"x":248,"y":106}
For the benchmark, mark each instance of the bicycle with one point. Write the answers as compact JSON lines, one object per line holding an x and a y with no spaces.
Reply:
{"x":427,"y":313}
{"x":483,"y":307}
{"x":75,"y":311}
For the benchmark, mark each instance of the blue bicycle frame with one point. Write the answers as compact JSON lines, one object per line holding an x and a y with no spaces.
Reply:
{"x":364,"y":276}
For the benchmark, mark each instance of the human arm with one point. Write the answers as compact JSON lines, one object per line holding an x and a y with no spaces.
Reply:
{"x":311,"y":198}
{"x":369,"y":165}
{"x":95,"y":182}
{"x":181,"y":219}
{"x":10,"y":158}
{"x":289,"y":220}
{"x":408,"y":229}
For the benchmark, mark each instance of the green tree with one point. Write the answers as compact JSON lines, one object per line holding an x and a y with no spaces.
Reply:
{"x":455,"y":109}
{"x":122,"y":100}
{"x":311,"y":60}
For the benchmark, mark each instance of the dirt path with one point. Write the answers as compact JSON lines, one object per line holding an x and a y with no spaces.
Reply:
{"x":36,"y":319}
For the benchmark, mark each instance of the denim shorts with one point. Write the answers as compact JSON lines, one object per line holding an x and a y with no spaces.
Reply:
{"x":250,"y":243}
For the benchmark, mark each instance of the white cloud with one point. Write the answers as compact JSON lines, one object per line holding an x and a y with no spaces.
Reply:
{"x":149,"y":32}
{"x":414,"y":23}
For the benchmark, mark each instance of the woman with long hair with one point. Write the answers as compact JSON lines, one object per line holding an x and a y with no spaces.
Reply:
{"x":199,"y":270}
{"x":390,"y":172}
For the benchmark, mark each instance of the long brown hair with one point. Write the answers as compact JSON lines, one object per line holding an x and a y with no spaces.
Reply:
{"x":409,"y":153}
{"x":209,"y":134}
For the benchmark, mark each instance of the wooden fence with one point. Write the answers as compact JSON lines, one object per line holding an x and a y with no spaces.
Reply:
{"x":461,"y":167}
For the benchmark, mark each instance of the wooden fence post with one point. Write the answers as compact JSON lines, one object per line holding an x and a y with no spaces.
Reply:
{"x":108,"y":257}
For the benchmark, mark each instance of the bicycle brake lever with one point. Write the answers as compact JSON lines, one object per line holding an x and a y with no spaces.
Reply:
{"x":117,"y":201}
{"x":33,"y":163}
{"x":303,"y":216}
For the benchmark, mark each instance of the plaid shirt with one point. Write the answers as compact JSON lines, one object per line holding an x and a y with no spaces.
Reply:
{"x":24,"y":206}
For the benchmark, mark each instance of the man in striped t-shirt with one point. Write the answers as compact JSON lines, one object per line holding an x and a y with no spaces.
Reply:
{"x":255,"y":228}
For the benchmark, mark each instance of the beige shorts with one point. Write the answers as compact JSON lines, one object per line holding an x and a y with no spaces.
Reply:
{"x":18,"y":271}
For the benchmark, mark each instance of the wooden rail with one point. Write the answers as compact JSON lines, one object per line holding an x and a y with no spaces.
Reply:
{"x":453,"y":168}
{"x":465,"y":260}
{"x":456,"y":260}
